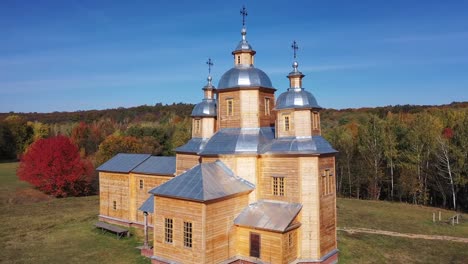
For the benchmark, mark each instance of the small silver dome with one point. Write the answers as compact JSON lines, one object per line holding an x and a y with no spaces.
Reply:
{"x":206,"y":108}
{"x":244,"y":76}
{"x":243,"y":45}
{"x":296,"y":98}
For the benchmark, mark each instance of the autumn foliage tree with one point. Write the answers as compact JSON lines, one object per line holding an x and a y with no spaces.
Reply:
{"x":55,"y":167}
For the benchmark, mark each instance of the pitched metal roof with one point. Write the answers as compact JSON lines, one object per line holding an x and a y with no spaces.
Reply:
{"x":194,"y":145}
{"x":269,"y":215}
{"x":123,"y":162}
{"x":157,"y":165}
{"x":148,"y":205}
{"x":238,"y":140}
{"x":204,"y":182}
{"x":295,"y":145}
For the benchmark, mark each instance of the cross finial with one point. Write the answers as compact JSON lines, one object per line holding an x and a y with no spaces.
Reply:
{"x":295,"y":48}
{"x":209,"y":63}
{"x":243,"y":12}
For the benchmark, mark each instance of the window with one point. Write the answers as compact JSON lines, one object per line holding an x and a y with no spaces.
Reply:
{"x":197,"y":126}
{"x":238,"y":59}
{"x":327,"y":182}
{"x":316,"y":120}
{"x":114,"y":205}
{"x":291,"y":238}
{"x":255,"y":245}
{"x":286,"y":122}
{"x":168,"y":224}
{"x":141,"y":184}
{"x":188,"y":234}
{"x":230,"y":107}
{"x":278,"y":186}
{"x":267,"y":106}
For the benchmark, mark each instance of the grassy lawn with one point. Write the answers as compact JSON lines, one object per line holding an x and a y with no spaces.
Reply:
{"x":398,"y":217}
{"x":40,"y":229}
{"x":47,"y":230}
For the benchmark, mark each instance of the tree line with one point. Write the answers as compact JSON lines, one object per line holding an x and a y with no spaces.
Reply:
{"x":418,"y":157}
{"x":415,"y":154}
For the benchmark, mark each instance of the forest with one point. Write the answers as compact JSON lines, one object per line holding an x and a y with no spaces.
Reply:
{"x":405,"y":153}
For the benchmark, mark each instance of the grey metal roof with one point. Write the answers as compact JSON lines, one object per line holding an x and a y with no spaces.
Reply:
{"x":243,"y":45}
{"x":204,"y":182}
{"x":238,"y":140}
{"x":244,"y":76}
{"x":123,"y":162}
{"x":194,"y":145}
{"x":148,"y":205}
{"x":157,"y":165}
{"x":296,"y":98}
{"x":205,"y":108}
{"x":294,"y":145}
{"x":269,"y":215}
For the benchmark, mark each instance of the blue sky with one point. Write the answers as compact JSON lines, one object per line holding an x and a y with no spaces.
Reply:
{"x":79,"y":55}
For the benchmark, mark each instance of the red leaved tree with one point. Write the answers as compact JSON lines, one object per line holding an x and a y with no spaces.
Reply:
{"x":55,"y":167}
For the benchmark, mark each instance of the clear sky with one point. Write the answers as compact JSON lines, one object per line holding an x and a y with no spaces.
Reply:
{"x":79,"y":55}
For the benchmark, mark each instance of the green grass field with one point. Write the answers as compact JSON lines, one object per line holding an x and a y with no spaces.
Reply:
{"x":40,"y":229}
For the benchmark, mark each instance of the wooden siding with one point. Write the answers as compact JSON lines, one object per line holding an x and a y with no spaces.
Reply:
{"x":179,"y":211}
{"x":287,"y":167}
{"x":271,"y":245}
{"x":225,"y":121}
{"x":315,"y":117}
{"x":280,"y":131}
{"x":309,"y":237}
{"x":114,"y":187}
{"x":219,"y":231}
{"x":303,"y":123}
{"x":185,"y":162}
{"x":249,"y":108}
{"x":327,"y":208}
{"x":139,"y":196}
{"x":267,"y":120}
{"x":208,"y":127}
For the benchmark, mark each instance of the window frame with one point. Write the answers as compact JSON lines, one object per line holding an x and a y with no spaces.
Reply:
{"x":278,"y":184}
{"x":252,"y":252}
{"x":141,"y":184}
{"x":286,"y":124}
{"x":188,"y":234}
{"x":267,"y":106}
{"x":114,"y":205}
{"x":197,"y":125}
{"x":229,"y":106}
{"x":169,"y":230}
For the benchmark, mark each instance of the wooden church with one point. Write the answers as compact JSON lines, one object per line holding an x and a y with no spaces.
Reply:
{"x":254,"y":184}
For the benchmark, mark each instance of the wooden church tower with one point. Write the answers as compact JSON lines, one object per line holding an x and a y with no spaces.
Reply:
{"x":254,"y":184}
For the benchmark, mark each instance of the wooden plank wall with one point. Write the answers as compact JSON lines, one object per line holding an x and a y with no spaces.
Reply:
{"x":280,"y":123}
{"x":249,"y":108}
{"x":328,"y":209}
{"x":309,"y":240}
{"x":220,"y":231}
{"x":290,"y":250}
{"x":267,"y":120}
{"x":287,"y":167}
{"x":271,"y":244}
{"x":303,"y":125}
{"x":208,"y":127}
{"x":149,"y":182}
{"x":225,"y":121}
{"x":185,"y":162}
{"x":114,"y":187}
{"x":179,"y":211}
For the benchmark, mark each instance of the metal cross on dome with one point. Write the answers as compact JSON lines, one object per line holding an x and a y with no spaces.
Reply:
{"x":210,"y":63}
{"x":243,"y":12}
{"x":295,"y":48}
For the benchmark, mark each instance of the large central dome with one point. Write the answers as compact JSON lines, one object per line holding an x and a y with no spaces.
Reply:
{"x":244,"y":76}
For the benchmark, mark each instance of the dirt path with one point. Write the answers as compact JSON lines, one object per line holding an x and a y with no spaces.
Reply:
{"x":396,"y":234}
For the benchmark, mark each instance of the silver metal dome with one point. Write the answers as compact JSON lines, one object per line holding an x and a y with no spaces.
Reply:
{"x":244,"y":76}
{"x":296,"y":98}
{"x":206,"y":108}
